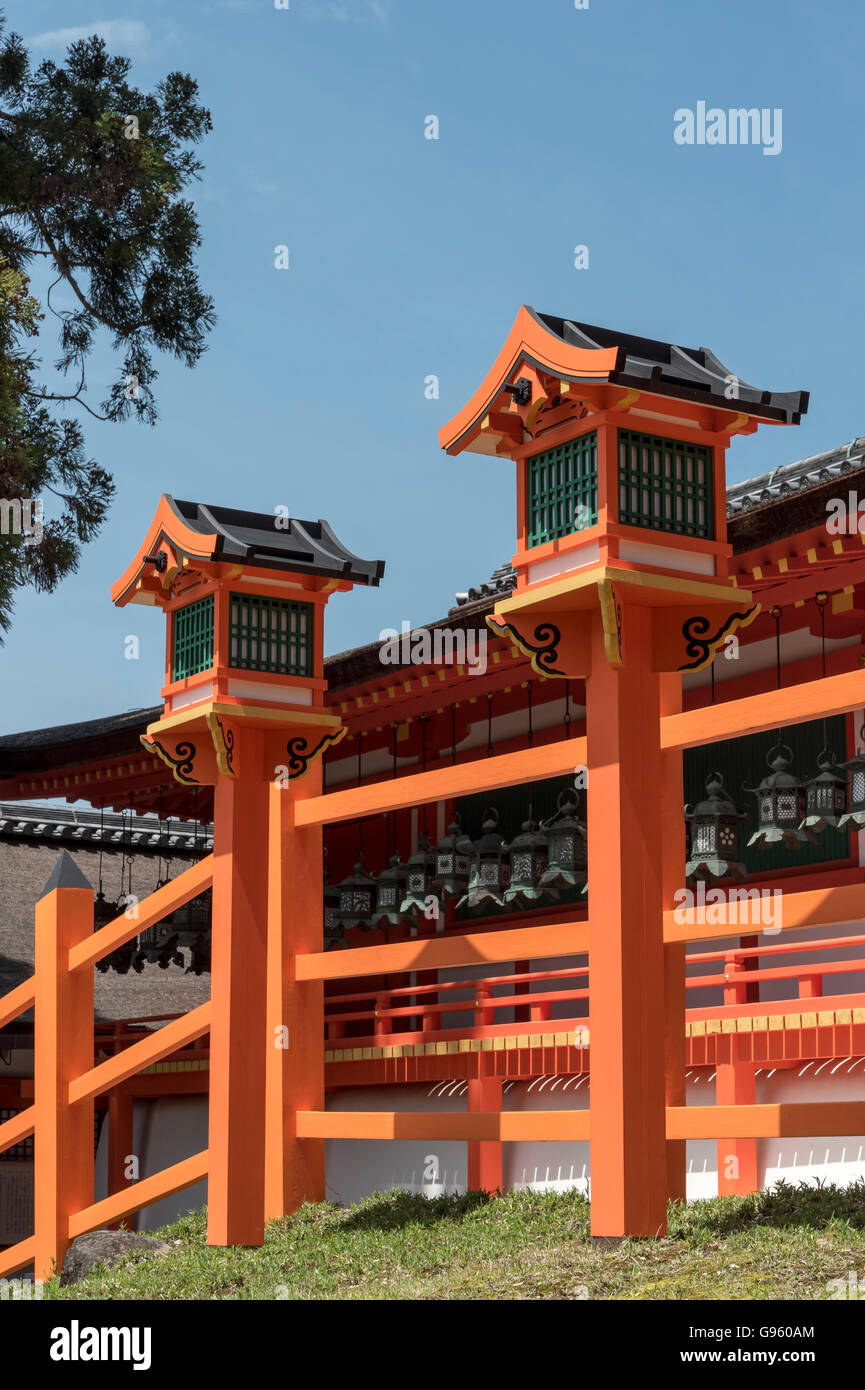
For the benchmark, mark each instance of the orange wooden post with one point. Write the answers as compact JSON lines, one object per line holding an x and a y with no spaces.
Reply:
{"x":626,"y":960}
{"x":673,"y":878}
{"x":63,"y":1041}
{"x":294,"y":1168}
{"x":485,"y":1156}
{"x":238,"y":1040}
{"x":735,"y":1084}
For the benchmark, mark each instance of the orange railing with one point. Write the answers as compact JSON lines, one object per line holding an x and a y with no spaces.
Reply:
{"x":66,"y":1081}
{"x":385,"y":1009}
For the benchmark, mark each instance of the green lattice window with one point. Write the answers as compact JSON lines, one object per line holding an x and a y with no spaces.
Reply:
{"x":665,"y":485}
{"x":193,"y":638}
{"x":563,"y":489}
{"x":270,"y":634}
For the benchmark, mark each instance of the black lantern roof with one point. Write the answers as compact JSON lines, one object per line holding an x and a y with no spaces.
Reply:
{"x":275,"y":542}
{"x":692,"y":374}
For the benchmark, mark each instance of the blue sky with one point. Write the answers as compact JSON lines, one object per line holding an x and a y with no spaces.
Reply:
{"x":410,"y":257}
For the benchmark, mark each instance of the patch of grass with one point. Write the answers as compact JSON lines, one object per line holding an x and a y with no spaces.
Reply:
{"x":785,"y":1243}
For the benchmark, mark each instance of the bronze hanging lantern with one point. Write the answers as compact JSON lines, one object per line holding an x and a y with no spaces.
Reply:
{"x":780,"y":803}
{"x":854,"y":816}
{"x":489,"y":868}
{"x":713,"y":834}
{"x":333,"y":930}
{"x":357,"y":897}
{"x":567,"y":857}
{"x":528,"y":856}
{"x":421,"y":872}
{"x":825,"y":795}
{"x":452,"y":861}
{"x":391,"y":892}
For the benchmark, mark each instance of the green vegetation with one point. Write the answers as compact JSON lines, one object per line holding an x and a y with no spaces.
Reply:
{"x":786,"y":1243}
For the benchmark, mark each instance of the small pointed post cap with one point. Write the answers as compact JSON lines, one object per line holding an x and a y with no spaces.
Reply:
{"x":65,"y":874}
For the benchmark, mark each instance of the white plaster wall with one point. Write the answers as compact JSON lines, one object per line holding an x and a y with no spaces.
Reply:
{"x":169,"y":1130}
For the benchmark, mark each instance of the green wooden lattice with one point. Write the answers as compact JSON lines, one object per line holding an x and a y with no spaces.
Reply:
{"x":193,"y":638}
{"x":665,"y":485}
{"x":563,"y":489}
{"x":269,"y":634}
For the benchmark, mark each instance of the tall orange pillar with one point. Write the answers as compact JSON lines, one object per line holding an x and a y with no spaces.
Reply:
{"x":238,"y":1038}
{"x":673,"y":878}
{"x":626,"y":959}
{"x":294,"y":1072}
{"x":63,"y":1043}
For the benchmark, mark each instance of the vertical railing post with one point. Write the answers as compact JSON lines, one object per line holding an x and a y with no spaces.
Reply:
{"x":485,"y":1156}
{"x":63,"y":1043}
{"x":294,"y":1168}
{"x":735,"y":1084}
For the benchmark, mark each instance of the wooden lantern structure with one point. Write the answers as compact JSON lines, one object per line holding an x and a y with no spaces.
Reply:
{"x":619,"y":445}
{"x":244,"y":595}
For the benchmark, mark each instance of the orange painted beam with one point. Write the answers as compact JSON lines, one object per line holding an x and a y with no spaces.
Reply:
{"x":819,"y":907}
{"x":788,"y":1120}
{"x":17,"y":1256}
{"x":754,"y":714}
{"x":151,"y":910}
{"x":832,"y":1118}
{"x":17,"y":1001}
{"x":162,"y":1042}
{"x":474,"y":1127}
{"x":440,"y":953}
{"x":140,"y":1194}
{"x":20,"y":1127}
{"x":462,"y":779}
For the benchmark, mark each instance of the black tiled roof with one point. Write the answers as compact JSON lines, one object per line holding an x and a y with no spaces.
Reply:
{"x":261,"y":538}
{"x":694,"y":374}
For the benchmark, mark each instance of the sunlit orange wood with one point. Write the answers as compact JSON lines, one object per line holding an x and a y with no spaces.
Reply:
{"x":735,"y":1085}
{"x":19,"y":1127}
{"x":17,"y":1257}
{"x":140,"y":1194}
{"x":238,"y":1036}
{"x":784,"y":1121}
{"x":818,"y":907}
{"x":626,"y":961}
{"x":294,"y":1167}
{"x":17,"y":1001}
{"x":63,"y":1046}
{"x":162,"y":1042}
{"x":769,"y":710}
{"x":418,"y":788}
{"x":484,"y":1157}
{"x":673,"y":852}
{"x":507,"y":1127}
{"x":437,"y":953}
{"x":152,"y":909}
